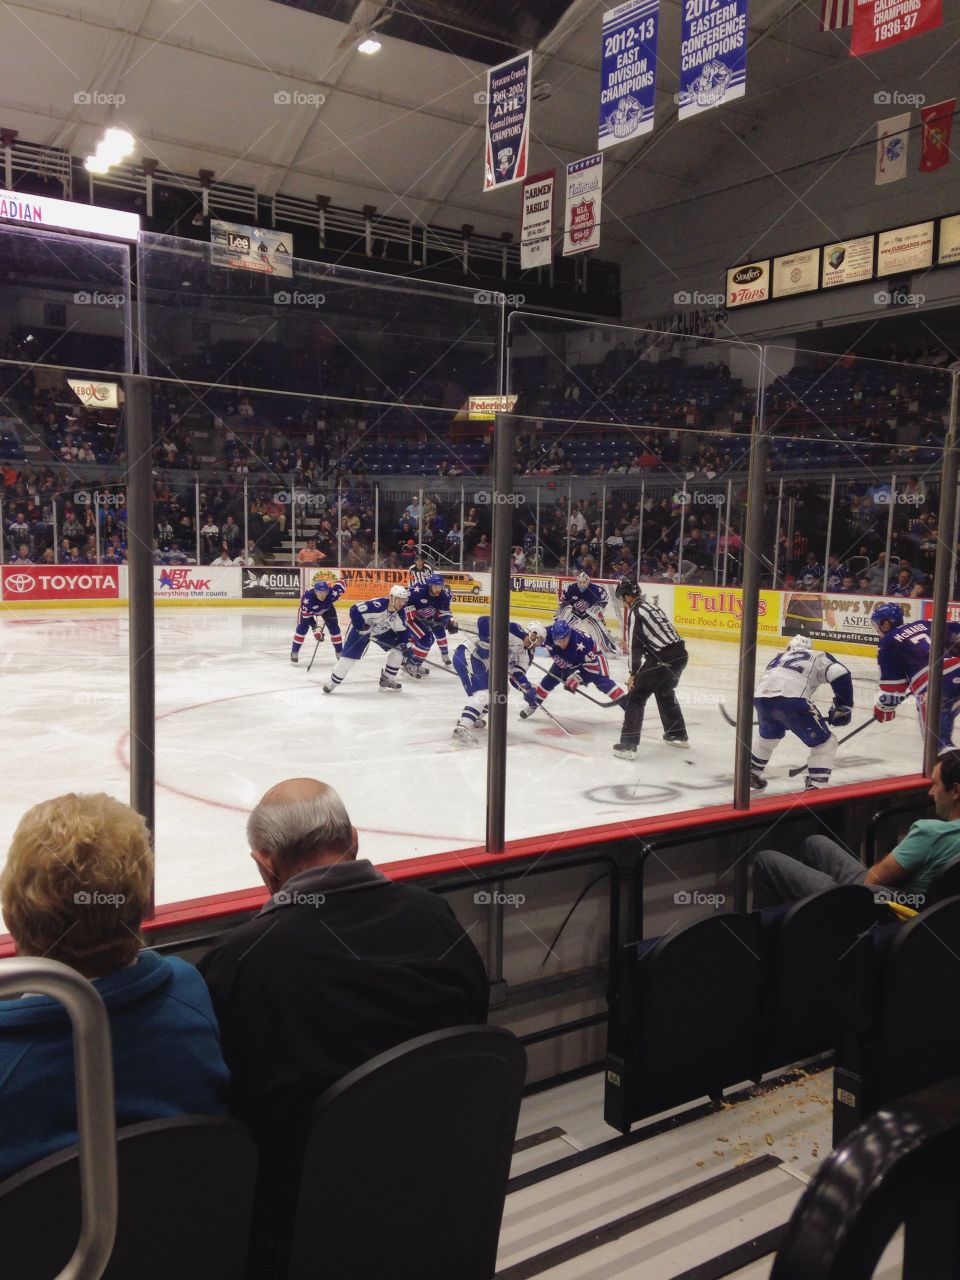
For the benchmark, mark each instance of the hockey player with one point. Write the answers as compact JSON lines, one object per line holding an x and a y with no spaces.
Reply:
{"x":783,"y":700}
{"x":582,"y":604}
{"x":473,"y":668}
{"x":319,"y":601}
{"x":384,"y":621}
{"x":428,"y":618}
{"x":903,"y":656}
{"x":576,"y":660}
{"x":658,"y":658}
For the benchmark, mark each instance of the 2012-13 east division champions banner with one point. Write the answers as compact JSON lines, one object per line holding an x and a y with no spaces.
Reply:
{"x":508,"y":122}
{"x":628,"y":71}
{"x":713,"y":55}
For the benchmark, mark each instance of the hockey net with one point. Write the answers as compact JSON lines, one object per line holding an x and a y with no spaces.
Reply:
{"x":614,"y":617}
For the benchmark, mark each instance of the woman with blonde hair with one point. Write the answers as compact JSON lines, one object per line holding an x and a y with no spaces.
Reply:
{"x":75,"y":888}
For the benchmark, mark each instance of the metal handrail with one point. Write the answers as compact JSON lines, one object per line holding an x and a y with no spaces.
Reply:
{"x":96,"y":1121}
{"x":901,"y":1166}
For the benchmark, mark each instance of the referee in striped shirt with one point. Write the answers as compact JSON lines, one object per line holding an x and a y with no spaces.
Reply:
{"x":657,"y":660}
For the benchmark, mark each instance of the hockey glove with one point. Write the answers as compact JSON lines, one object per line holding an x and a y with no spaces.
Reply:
{"x":572,"y":683}
{"x":839,"y":715}
{"x":884,"y":714}
{"x":452,"y":627}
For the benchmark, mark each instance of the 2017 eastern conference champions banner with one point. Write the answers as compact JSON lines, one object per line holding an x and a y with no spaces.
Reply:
{"x":713,"y":55}
{"x":508,"y":122}
{"x":628,"y":71}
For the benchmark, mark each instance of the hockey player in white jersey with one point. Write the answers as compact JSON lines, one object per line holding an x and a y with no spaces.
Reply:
{"x":473,"y":668}
{"x":582,"y":604}
{"x":382,"y":620}
{"x":783,"y":700}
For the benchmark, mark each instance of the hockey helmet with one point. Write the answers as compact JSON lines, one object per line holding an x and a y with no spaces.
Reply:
{"x":561,"y":630}
{"x":583,"y":579}
{"x":891,"y":613}
{"x":627,"y":587}
{"x":400,"y":593}
{"x":435,"y":580}
{"x":538,"y":630}
{"x":799,"y":644}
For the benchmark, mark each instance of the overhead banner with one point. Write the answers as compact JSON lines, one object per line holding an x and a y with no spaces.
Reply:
{"x":96,"y":395}
{"x":251,"y":249}
{"x":508,"y":122}
{"x":713,"y":55}
{"x":536,"y":226}
{"x":628,"y":71}
{"x":893,"y":135}
{"x":878,"y":24}
{"x":935,"y":138}
{"x":581,"y":221}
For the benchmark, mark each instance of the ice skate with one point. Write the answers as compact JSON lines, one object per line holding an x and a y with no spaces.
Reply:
{"x":388,"y":683}
{"x":624,"y":752}
{"x":463,"y":735}
{"x":757,"y":782}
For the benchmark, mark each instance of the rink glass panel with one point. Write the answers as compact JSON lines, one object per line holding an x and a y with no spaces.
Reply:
{"x":852,"y":499}
{"x":64,"y":617}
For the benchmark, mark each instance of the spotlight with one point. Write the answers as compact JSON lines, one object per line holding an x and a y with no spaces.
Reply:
{"x":370,"y":45}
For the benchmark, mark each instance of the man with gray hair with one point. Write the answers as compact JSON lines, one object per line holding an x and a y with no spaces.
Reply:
{"x":339,"y":965}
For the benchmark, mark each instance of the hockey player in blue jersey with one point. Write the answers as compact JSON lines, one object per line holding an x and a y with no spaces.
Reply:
{"x":319,"y":601}
{"x":576,"y":660}
{"x":473,"y":668}
{"x":382,"y":620}
{"x":783,"y":700}
{"x":903,"y":656}
{"x":428,"y":619}
{"x":582,"y":604}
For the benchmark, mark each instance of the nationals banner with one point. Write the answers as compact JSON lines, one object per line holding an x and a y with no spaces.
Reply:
{"x":713,"y":55}
{"x":628,"y":71}
{"x":508,"y":122}
{"x":878,"y":24}
{"x":581,"y":220}
{"x":536,"y":227}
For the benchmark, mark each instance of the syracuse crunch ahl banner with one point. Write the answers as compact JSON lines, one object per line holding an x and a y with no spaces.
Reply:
{"x":508,"y":122}
{"x":713,"y":55}
{"x":628,"y":71}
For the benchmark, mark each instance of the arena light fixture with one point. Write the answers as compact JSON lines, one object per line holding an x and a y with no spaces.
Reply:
{"x":369,"y":45}
{"x":114,"y":146}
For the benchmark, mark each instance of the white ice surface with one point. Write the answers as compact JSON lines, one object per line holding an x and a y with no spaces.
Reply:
{"x":234,"y":717}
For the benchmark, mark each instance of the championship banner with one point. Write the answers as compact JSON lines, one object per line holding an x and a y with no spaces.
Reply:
{"x":95,"y":395}
{"x":628,"y":71}
{"x":536,"y":224}
{"x":508,"y":122}
{"x":581,"y":221}
{"x":713,"y":56}
{"x":250,"y":249}
{"x":878,"y":24}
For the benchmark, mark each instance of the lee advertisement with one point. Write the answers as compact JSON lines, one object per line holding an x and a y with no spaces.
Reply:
{"x":270,"y":584}
{"x":718,"y":611}
{"x":628,"y":71}
{"x":60,"y":582}
{"x":251,"y":249}
{"x":838,"y":618}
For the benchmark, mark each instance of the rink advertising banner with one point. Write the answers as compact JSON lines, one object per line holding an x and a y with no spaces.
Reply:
{"x":836,"y":618}
{"x":196,"y":582}
{"x":948,"y":249}
{"x":628,"y":71}
{"x":748,"y":283}
{"x":251,"y":249}
{"x":713,"y":55}
{"x":796,"y":273}
{"x":60,"y":582}
{"x":719,"y":612}
{"x":847,"y":262}
{"x":362,"y":584}
{"x":878,"y":24}
{"x":270,"y":584}
{"x":536,"y":224}
{"x":534,"y":593}
{"x":582,"y":211}
{"x":935,"y":136}
{"x":893,"y":135}
{"x":95,"y":395}
{"x":905,"y":249}
{"x":508,"y":122}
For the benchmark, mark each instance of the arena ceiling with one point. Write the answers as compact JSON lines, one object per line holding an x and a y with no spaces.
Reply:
{"x":213,"y":84}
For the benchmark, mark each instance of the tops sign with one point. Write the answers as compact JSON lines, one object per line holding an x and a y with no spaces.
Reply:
{"x":44,"y":211}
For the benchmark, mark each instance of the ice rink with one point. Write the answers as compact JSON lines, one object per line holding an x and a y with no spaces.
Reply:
{"x":234,"y":717}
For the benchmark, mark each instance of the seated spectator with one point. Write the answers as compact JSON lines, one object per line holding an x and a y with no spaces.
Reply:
{"x":929,"y":846}
{"x":224,"y":558}
{"x":23,"y":554}
{"x":482,"y":553}
{"x":250,"y":556}
{"x":340,"y":965}
{"x":310,"y":554}
{"x":75,"y":887}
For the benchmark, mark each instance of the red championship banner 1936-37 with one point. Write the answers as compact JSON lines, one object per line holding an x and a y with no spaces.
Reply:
{"x":877,"y":24}
{"x":60,"y":582}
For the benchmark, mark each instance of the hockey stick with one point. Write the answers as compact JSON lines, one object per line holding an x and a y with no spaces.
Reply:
{"x":319,"y":633}
{"x":729,"y":718}
{"x":859,"y":729}
{"x":613,"y":702}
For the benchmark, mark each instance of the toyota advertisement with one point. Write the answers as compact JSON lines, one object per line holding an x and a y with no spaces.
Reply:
{"x":59,"y":582}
